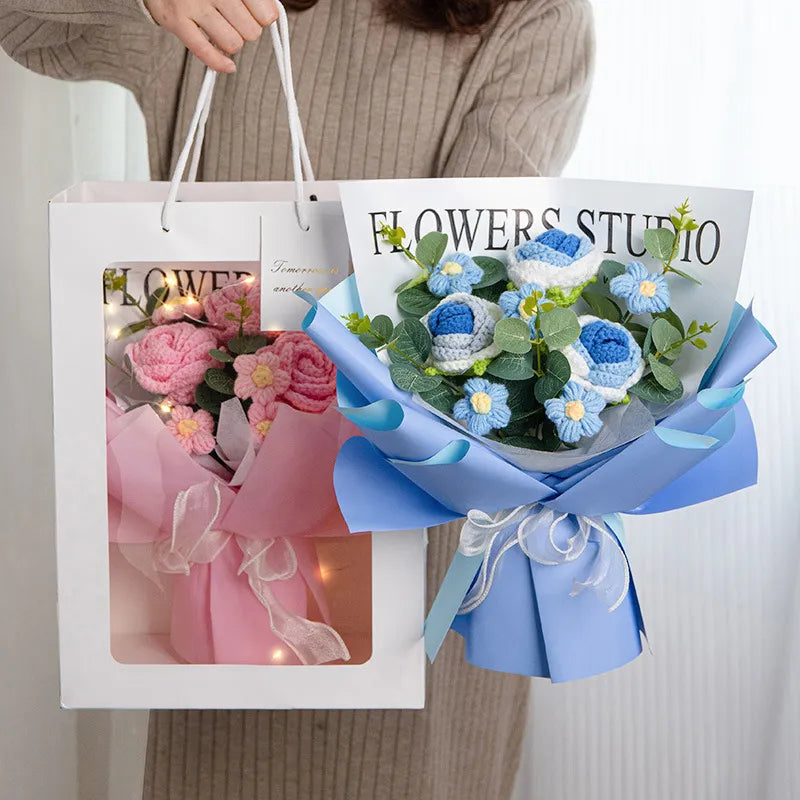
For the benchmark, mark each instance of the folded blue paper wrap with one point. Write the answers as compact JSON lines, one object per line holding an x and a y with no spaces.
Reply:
{"x":534,"y":617}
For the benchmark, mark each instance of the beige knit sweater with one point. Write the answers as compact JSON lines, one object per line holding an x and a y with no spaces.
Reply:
{"x":377,"y":100}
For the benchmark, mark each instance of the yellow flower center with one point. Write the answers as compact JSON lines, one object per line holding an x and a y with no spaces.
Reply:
{"x":481,"y":403}
{"x":262,"y":376}
{"x":522,"y":312}
{"x":451,"y":268}
{"x":647,"y":288}
{"x":575,"y":410}
{"x":187,"y":427}
{"x":263,"y":426}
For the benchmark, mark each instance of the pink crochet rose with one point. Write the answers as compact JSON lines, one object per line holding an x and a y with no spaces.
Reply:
{"x":260,"y":376}
{"x":223,"y":301}
{"x":261,"y":416}
{"x":194,"y":430}
{"x":173,"y":310}
{"x":172,"y":360}
{"x":311,"y":372}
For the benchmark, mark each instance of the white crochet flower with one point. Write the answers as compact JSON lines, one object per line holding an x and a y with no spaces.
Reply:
{"x":462,"y":332}
{"x":554,"y":258}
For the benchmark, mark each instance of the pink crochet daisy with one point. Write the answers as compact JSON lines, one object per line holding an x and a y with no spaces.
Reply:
{"x":261,"y":416}
{"x":260,"y":376}
{"x":194,"y":430}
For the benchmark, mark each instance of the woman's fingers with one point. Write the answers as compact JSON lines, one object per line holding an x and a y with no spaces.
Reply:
{"x":265,"y":12}
{"x":220,"y":31}
{"x":240,"y":18}
{"x":191,"y":35}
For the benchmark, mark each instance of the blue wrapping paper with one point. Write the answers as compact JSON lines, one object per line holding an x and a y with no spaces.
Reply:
{"x":424,"y":470}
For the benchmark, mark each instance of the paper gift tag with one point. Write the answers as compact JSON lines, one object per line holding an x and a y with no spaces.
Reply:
{"x":292,"y":259}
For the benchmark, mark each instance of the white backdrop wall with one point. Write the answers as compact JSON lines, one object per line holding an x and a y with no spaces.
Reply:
{"x":693,"y":91}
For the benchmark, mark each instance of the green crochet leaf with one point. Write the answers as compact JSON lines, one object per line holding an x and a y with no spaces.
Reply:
{"x":557,"y":295}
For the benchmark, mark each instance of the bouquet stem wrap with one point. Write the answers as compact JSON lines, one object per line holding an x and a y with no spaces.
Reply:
{"x":238,"y":551}
{"x":534,"y":542}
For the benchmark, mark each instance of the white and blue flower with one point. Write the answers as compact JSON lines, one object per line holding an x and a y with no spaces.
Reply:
{"x":554,"y":258}
{"x":462,"y":332}
{"x":512,"y":302}
{"x":576,"y":413}
{"x":642,"y":292}
{"x":484,"y":406}
{"x":605,"y":357}
{"x":456,"y":272}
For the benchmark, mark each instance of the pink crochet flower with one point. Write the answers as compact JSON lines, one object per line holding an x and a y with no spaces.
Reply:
{"x":223,"y":301}
{"x":261,"y":416}
{"x":260,"y":376}
{"x":173,"y":310}
{"x":194,"y":430}
{"x":312,"y":373}
{"x":172,"y":359}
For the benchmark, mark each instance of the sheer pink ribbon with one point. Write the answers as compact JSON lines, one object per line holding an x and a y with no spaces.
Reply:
{"x":239,"y":584}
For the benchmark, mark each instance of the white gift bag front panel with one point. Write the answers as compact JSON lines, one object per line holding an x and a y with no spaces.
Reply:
{"x":212,"y":241}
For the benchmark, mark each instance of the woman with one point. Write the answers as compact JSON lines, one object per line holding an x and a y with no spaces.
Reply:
{"x":409,"y":88}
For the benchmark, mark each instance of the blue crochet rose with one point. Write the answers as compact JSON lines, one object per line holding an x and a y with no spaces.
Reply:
{"x":605,"y":357}
{"x":554,"y":258}
{"x":642,"y":292}
{"x":454,"y":273}
{"x":484,"y":406}
{"x":576,"y":413}
{"x":462,"y":332}
{"x":512,"y":302}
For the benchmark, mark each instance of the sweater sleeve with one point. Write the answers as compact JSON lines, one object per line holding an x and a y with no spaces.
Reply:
{"x":113,"y":40}
{"x":523,"y":101}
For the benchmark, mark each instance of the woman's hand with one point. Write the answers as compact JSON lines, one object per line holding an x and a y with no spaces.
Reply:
{"x":211,"y":28}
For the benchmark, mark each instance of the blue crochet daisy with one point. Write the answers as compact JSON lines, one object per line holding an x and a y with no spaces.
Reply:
{"x":576,"y":413}
{"x":512,"y":301}
{"x":485,"y":406}
{"x":454,"y":273}
{"x":643,"y":292}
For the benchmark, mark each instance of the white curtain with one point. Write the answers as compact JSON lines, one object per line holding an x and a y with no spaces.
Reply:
{"x":690,"y":91}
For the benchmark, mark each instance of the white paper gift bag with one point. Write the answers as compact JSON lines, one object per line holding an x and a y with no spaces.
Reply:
{"x":202,"y":558}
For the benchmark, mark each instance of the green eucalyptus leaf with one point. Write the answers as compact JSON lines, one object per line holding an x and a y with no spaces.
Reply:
{"x":383,"y":327}
{"x":208,"y":399}
{"x":410,"y":379}
{"x":685,"y":275}
{"x":412,"y":339}
{"x":491,"y":293}
{"x":441,"y":397}
{"x":659,"y":242}
{"x":156,"y":299}
{"x":513,"y":335}
{"x":700,"y":344}
{"x":221,"y":355}
{"x":241,"y":345}
{"x":370,"y":340}
{"x":416,"y":301}
{"x":664,"y":334}
{"x":560,"y":327}
{"x":610,"y":269}
{"x":528,"y":442}
{"x":556,"y":374}
{"x":670,"y":316}
{"x":651,"y":391}
{"x":693,"y":328}
{"x":665,"y":375}
{"x":419,"y":278}
{"x":603,"y":307}
{"x":220,"y":381}
{"x":493,"y":271}
{"x":512,"y":367}
{"x":431,"y":248}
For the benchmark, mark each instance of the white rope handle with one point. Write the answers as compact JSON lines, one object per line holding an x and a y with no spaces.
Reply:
{"x":301,"y":164}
